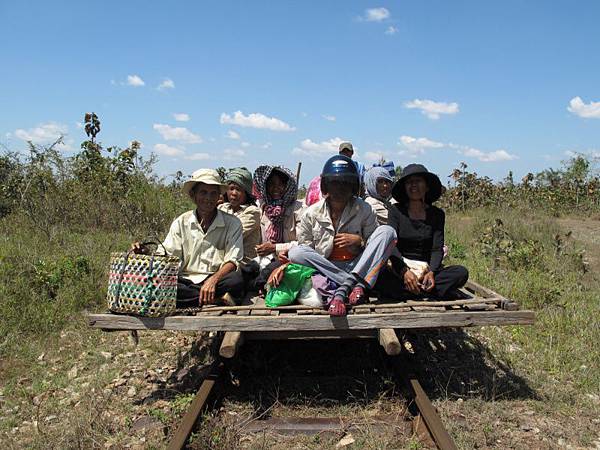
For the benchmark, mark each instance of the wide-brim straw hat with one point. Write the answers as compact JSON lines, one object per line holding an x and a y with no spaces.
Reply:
{"x":433,"y":183}
{"x":206,"y":176}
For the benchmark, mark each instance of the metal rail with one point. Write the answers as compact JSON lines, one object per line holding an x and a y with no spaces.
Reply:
{"x":427,"y":424}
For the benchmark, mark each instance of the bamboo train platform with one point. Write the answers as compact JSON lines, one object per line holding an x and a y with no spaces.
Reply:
{"x":474,"y":305}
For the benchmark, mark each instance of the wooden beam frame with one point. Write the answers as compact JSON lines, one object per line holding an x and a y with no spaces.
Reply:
{"x":294,"y":322}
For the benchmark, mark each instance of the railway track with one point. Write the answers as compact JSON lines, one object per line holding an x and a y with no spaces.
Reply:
{"x":420,"y":418}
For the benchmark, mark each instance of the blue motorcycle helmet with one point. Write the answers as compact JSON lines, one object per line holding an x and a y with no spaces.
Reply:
{"x":341,"y":168}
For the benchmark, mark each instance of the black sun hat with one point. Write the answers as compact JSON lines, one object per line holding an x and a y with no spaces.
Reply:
{"x":433,"y":183}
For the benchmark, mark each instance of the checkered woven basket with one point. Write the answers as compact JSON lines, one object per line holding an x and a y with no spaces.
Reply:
{"x":143,"y":285}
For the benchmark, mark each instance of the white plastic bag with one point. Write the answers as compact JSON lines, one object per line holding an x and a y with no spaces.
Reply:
{"x":309,"y":296}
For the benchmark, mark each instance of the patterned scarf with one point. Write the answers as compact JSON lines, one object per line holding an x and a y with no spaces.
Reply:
{"x":371,"y":177}
{"x":275,"y":209}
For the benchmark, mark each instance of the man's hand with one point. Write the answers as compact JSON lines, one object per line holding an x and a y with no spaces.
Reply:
{"x":411,"y":282}
{"x":277,"y":275}
{"x":283,"y":257}
{"x":138,"y":248}
{"x":347,"y":240}
{"x":428,"y":282}
{"x":265,"y":249}
{"x":208,"y":289}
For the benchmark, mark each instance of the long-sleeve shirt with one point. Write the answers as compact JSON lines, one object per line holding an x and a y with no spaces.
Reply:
{"x":202,"y":254}
{"x":249,"y":215}
{"x":316,"y":227}
{"x":422,"y":240}
{"x":291,"y":220}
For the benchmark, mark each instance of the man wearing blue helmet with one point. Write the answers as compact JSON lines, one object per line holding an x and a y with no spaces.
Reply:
{"x":339,"y":236}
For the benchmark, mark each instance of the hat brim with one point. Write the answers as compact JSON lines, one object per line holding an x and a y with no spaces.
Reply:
{"x":433,"y":183}
{"x":189,"y":185}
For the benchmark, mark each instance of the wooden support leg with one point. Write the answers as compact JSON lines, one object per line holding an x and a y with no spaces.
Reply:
{"x":389,"y":341}
{"x":231,"y":342}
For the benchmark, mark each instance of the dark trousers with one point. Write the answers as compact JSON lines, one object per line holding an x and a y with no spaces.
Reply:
{"x":258,"y":284}
{"x":188,"y":292}
{"x":447,"y":279}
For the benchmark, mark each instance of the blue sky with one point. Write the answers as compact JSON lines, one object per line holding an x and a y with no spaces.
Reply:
{"x":508,"y":85}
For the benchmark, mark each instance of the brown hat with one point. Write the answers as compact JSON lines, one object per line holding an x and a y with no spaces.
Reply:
{"x":346,"y":146}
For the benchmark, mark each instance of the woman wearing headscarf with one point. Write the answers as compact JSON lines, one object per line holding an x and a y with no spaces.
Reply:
{"x":280,"y":214}
{"x":420,"y":229}
{"x":240,"y":202}
{"x":378,"y":184}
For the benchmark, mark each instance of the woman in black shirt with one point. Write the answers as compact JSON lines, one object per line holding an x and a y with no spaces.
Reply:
{"x":420,"y":229}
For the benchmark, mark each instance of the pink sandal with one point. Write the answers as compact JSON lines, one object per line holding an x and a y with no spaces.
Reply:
{"x":357,"y":296}
{"x":337,"y":307}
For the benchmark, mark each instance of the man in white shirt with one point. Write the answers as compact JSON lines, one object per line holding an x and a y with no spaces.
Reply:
{"x":209,"y":244}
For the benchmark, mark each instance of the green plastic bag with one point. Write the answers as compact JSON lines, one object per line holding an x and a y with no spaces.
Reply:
{"x":294,"y":277}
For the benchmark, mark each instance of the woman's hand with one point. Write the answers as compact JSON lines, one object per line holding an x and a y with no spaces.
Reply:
{"x":138,"y":248}
{"x":265,"y":249}
{"x":347,"y":240}
{"x":428,"y":282}
{"x":277,"y":275}
{"x":411,"y":282}
{"x":208,"y":290}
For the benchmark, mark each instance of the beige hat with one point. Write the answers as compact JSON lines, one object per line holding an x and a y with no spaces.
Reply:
{"x":346,"y":146}
{"x":206,"y":176}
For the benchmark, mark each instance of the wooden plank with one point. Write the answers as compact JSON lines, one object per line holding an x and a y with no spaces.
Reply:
{"x":389,"y":341}
{"x":480,"y":290}
{"x":294,"y":322}
{"x":178,"y":440}
{"x":259,"y":308}
{"x":230,"y":344}
{"x":323,"y":334}
{"x":403,"y":304}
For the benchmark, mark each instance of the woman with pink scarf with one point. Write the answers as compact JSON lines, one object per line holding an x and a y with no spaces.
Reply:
{"x":280,"y":214}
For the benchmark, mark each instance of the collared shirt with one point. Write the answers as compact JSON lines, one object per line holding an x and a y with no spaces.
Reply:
{"x":316,"y":227}
{"x":249,"y":215}
{"x":380,"y":209}
{"x":291,"y":220}
{"x":202,"y":254}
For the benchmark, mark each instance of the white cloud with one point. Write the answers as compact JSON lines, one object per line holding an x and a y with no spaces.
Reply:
{"x":267,"y":145}
{"x":330,"y":118}
{"x":167,"y":150}
{"x":135,"y":81}
{"x":376,"y":14}
{"x":182,"y":134}
{"x":391,"y":30}
{"x":233,"y":153}
{"x":589,"y":110}
{"x":591,"y":153}
{"x":255,"y":120}
{"x":181,"y":117}
{"x":45,"y":133}
{"x":432,"y":109}
{"x":310,"y":148}
{"x":495,"y":156}
{"x":233,"y":135}
{"x":167,"y":83}
{"x":245,"y":144}
{"x":198,"y":157}
{"x":373,"y":156}
{"x":417,"y":146}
